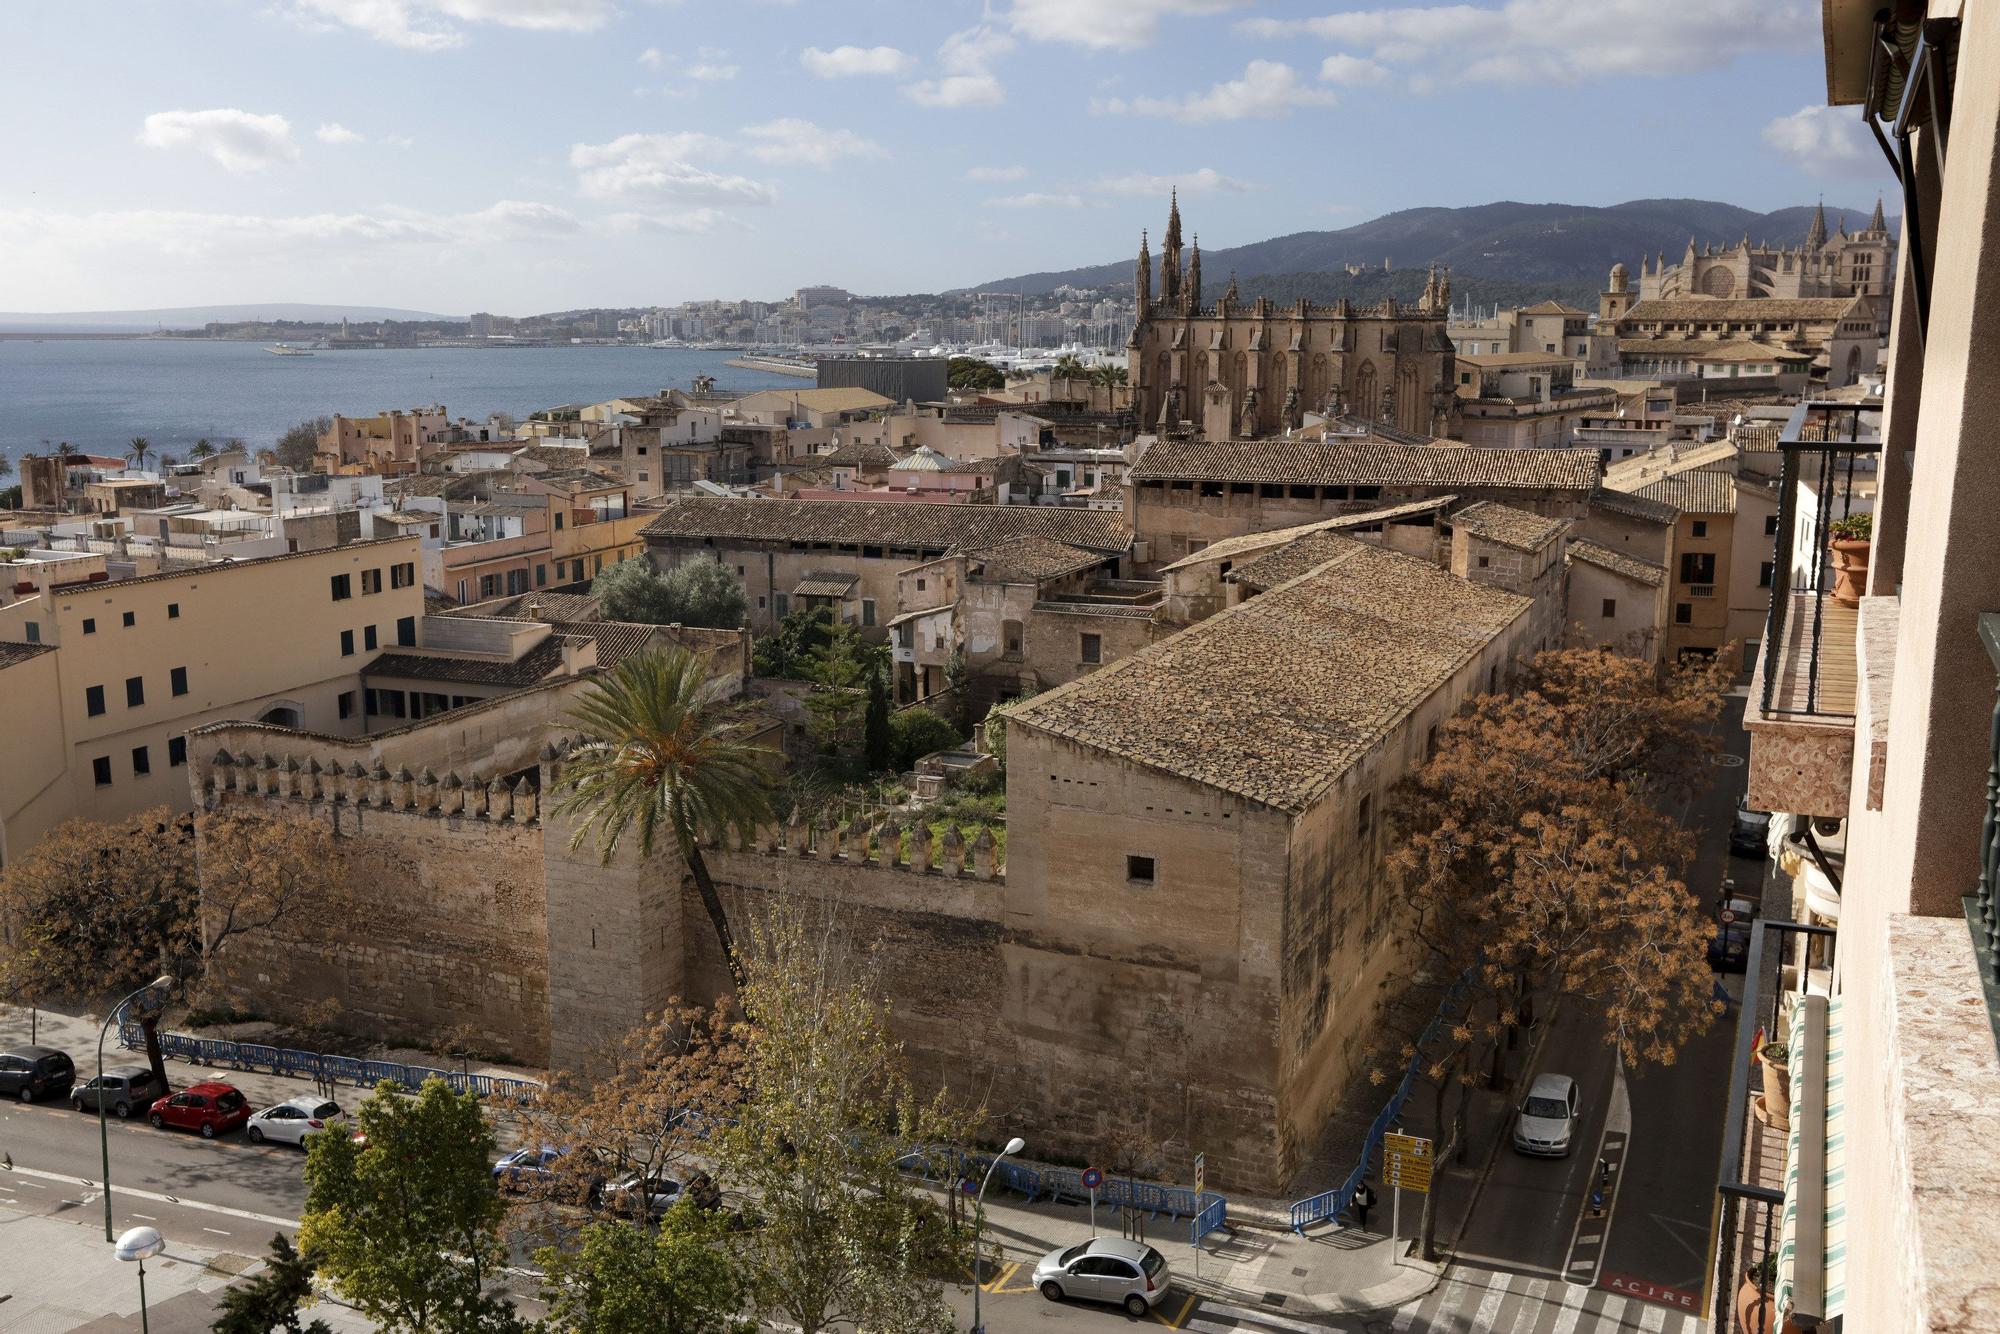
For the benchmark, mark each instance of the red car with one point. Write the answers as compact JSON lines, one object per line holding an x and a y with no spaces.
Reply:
{"x":209,"y":1108}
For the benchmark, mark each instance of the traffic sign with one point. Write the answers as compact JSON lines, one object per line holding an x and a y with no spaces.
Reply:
{"x":1726,"y":916}
{"x":1411,"y":1146}
{"x":1092,"y":1178}
{"x":1200,"y":1176}
{"x":1407,"y":1161}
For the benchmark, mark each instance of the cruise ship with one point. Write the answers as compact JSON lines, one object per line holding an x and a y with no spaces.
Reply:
{"x":287,"y":350}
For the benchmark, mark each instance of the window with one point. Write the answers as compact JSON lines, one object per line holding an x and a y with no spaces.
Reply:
{"x":346,"y":643}
{"x":346,"y":703}
{"x":371,"y":582}
{"x":34,"y":630}
{"x":868,"y":611}
{"x":541,"y":576}
{"x":1139,"y":869}
{"x":517,"y":581}
{"x":179,"y":679}
{"x":642,"y":475}
{"x":402,"y":576}
{"x":1484,"y":561}
{"x":135,"y":691}
{"x":89,"y":625}
{"x":93,"y":700}
{"x":781,"y":604}
{"x":920,"y":585}
{"x":489,"y":585}
{"x":1700,"y":527}
{"x":368,"y":637}
{"x":1698,"y":567}
{"x":1431,"y":741}
{"x":341,"y":590}
{"x":177,"y":751}
{"x":1092,"y":649}
{"x":173,"y":611}
{"x":100,"y":770}
{"x":559,"y":521}
{"x":1683,"y":613}
{"x":1770,"y":525}
{"x":1610,"y":608}
{"x":131,"y":619}
{"x":142,"y":763}
{"x":406,"y":631}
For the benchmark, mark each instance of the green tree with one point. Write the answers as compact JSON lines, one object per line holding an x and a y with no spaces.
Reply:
{"x":300,"y":442}
{"x":138,"y":450}
{"x":202,"y":449}
{"x":632,"y":590}
{"x":842,"y":1235}
{"x":406,"y":1225}
{"x":6,"y":465}
{"x":915,"y":733}
{"x":994,"y":729}
{"x":704,"y":593}
{"x":800,"y":637}
{"x":1104,"y":373}
{"x":1069,"y":367}
{"x":973,"y":374}
{"x":625,"y":1280}
{"x":662,"y":745}
{"x":877,"y":744}
{"x":271,"y":1300}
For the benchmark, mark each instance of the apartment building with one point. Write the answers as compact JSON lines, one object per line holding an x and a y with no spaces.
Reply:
{"x":1525,"y":400}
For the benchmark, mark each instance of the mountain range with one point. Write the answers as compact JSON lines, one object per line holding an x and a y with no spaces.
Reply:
{"x":1543,"y":250}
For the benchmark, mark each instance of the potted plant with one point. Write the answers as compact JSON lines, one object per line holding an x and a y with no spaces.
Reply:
{"x":1850,"y":539}
{"x":1776,"y":1104}
{"x":1757,"y":1297}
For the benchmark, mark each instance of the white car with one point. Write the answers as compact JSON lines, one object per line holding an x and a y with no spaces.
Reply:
{"x":1547,"y":1118}
{"x":290,"y":1122}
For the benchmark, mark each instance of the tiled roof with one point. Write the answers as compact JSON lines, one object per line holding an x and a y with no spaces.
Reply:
{"x":1633,"y":505}
{"x":1640,"y":571}
{"x":616,"y":640}
{"x":856,"y":454}
{"x":537,"y":664}
{"x":1230,"y":547}
{"x":1276,"y":697}
{"x":1695,"y":492}
{"x":565,"y":607}
{"x":1346,"y":462}
{"x":12,"y":654}
{"x":924,"y":459}
{"x":1030,"y":558}
{"x":886,"y":523}
{"x":1508,"y":526}
{"x":1552,"y":308}
{"x":1739,"y":308}
{"x":555,"y":456}
{"x":450,"y":485}
{"x":1299,"y":556}
{"x":825,"y":584}
{"x":1639,"y":470}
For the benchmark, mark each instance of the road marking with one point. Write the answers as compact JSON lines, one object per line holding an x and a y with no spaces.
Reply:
{"x":1489,"y":1305}
{"x":216,"y":1230}
{"x":1653,"y":1318}
{"x":148,"y":1217}
{"x":1531,"y":1307}
{"x":1006,"y":1272}
{"x":1178,"y":1320}
{"x":158,"y":1198}
{"x":1572,"y":1309}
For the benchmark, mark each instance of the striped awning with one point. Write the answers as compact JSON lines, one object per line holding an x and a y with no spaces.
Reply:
{"x":1812,"y":1249}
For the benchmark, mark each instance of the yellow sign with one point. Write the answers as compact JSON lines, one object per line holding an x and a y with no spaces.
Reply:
{"x":1408,"y":1174}
{"x":1406,"y":1146}
{"x":1406,"y":1162}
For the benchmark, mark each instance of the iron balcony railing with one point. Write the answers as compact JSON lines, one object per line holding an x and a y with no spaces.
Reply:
{"x":1827,"y":474}
{"x":1982,"y":906}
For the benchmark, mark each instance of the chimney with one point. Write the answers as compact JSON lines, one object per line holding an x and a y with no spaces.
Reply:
{"x":535,"y":610}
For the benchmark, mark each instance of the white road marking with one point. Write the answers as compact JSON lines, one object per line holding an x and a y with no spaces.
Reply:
{"x":1489,"y":1305}
{"x":148,"y":1217}
{"x":1572,"y":1309}
{"x":158,"y":1198}
{"x":1614,"y":1309}
{"x":1531,"y":1307}
{"x":1653,"y":1318}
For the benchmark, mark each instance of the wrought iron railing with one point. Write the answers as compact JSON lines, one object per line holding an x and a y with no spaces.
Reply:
{"x":1828,"y":474}
{"x":1982,"y":906}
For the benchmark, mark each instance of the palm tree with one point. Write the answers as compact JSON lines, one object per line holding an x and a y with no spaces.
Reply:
{"x":141,"y":447}
{"x":1105,"y":373}
{"x":1068,"y":367}
{"x":202,"y":449}
{"x":662,"y":747}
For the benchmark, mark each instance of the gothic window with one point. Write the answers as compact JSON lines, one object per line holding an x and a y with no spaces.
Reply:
{"x":1242,"y":373}
{"x":1200,"y":370}
{"x":1718,"y":282}
{"x":1364,"y":389}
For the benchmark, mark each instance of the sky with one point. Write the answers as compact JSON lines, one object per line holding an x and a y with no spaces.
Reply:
{"x":522,"y":156}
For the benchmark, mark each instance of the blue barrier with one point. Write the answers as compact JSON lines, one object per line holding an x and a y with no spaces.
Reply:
{"x":222,"y":1053}
{"x":1214,"y":1214}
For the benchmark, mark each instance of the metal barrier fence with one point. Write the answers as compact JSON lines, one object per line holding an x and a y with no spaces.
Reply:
{"x":221,"y":1053}
{"x":1206,"y":1214}
{"x":1328,"y":1203}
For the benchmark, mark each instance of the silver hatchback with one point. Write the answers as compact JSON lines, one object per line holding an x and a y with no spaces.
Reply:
{"x":1106,"y":1269}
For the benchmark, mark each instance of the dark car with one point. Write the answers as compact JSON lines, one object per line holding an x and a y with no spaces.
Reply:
{"x":1749,"y":832}
{"x":33,"y":1073}
{"x":1729,"y":947}
{"x":123,"y":1090}
{"x":209,"y":1108}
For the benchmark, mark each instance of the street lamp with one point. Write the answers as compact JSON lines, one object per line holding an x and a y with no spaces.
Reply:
{"x":164,"y":983}
{"x":1014,"y":1145}
{"x":137,"y":1244}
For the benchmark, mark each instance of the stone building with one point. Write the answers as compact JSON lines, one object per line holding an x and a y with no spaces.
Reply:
{"x":1713,"y":337}
{"x":1615,"y":601}
{"x":1525,"y":400}
{"x":1228,"y":370}
{"x":1840,"y":265}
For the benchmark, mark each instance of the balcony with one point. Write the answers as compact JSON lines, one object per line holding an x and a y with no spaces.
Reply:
{"x":1804,"y":693}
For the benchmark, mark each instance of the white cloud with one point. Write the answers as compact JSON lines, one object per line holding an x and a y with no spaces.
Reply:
{"x":192,"y":235}
{"x":1267,"y":89}
{"x":1104,"y":24}
{"x":1825,"y":141}
{"x":333,"y":132}
{"x":1352,"y":70}
{"x":238,"y":140}
{"x":689,"y":222}
{"x":848,"y":61}
{"x":968,"y":81}
{"x":1205,"y":181}
{"x":996,"y":175}
{"x":710,"y":73}
{"x":438,"y":25}
{"x":796,"y":142}
{"x":662,"y":166}
{"x":1558,"y":40}
{"x":651,"y":57}
{"x":1035,"y":199}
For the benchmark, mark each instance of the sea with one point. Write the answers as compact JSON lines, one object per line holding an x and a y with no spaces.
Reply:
{"x":98,"y":393}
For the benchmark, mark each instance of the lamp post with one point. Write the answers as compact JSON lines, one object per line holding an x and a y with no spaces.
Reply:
{"x":1014,"y":1145}
{"x":137,"y":1244}
{"x":164,"y":983}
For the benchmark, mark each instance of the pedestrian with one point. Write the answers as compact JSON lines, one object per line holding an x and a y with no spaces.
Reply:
{"x":1364,"y":1200}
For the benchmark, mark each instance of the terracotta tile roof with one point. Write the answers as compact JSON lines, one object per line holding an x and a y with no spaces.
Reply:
{"x":1633,"y":505}
{"x":537,"y":664}
{"x":886,"y":523}
{"x":1717,"y":349}
{"x":569,"y":608}
{"x":1288,"y":562}
{"x":1508,"y":526}
{"x":616,"y":640}
{"x":1552,"y":308}
{"x":554,"y":456}
{"x":12,"y":654}
{"x":1640,"y":571}
{"x":856,"y":454}
{"x":1230,"y":547}
{"x":1739,"y":308}
{"x":1695,"y":492}
{"x":1029,"y":559}
{"x":1276,"y":697}
{"x":825,"y":584}
{"x":1346,"y":462}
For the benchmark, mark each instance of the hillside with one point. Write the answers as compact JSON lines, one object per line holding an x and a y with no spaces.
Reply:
{"x":1557,"y":249}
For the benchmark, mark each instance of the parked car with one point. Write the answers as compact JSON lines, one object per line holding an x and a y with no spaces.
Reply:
{"x":31,"y":1073}
{"x":633,"y":1193}
{"x":1729,"y":947}
{"x":291,"y":1121}
{"x":1123,"y":1273}
{"x":1750,"y":832}
{"x":123,"y":1088}
{"x":211,"y":1109}
{"x":1547,"y":1119}
{"x":537,"y":1171}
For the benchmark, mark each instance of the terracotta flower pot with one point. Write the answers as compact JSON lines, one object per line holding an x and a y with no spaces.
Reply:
{"x":1777,"y":1085}
{"x":1756,"y":1312}
{"x":1850,"y":570}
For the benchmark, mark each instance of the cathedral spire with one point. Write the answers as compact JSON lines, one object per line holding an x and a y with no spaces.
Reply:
{"x":1194,"y":278}
{"x":1170,"y":257}
{"x":1142,"y":278}
{"x":1875,"y":222}
{"x":1816,"y":235}
{"x":1229,"y":293}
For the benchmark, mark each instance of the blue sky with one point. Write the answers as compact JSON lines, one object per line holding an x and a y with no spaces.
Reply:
{"x":526,"y":155}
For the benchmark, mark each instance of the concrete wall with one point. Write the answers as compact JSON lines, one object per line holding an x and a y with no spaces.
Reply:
{"x":1638,"y":617}
{"x":34,"y":785}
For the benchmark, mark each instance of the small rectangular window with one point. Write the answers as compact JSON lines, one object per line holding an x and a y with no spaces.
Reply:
{"x":100,"y":770}
{"x":370,"y":702}
{"x":89,"y":625}
{"x":1484,"y":561}
{"x":920,"y":585}
{"x":142,"y":763}
{"x":559,"y":521}
{"x":131,"y":619}
{"x":1700,"y":527}
{"x":177,"y":751}
{"x":781,"y":604}
{"x":1139,"y":869}
{"x":34,"y":630}
{"x":346,"y":643}
{"x":179,"y":677}
{"x":341,"y":588}
{"x":1770,"y":525}
{"x":135,"y":691}
{"x":173,"y":611}
{"x":541,"y":576}
{"x":346,"y":703}
{"x":868,"y":611}
{"x":1092,"y":649}
{"x":371,"y":581}
{"x":1683,"y":613}
{"x":93,"y":700}
{"x":1765,"y":572}
{"x":368,"y":637}
{"x":406,"y":631}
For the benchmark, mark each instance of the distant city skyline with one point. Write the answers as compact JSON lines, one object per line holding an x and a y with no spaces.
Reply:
{"x":527,"y":155}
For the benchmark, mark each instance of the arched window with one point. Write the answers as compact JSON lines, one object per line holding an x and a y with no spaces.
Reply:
{"x":1364,"y":390}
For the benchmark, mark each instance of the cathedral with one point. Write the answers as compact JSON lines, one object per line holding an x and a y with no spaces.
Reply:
{"x":1838,"y":266}
{"x":1230,"y":370}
